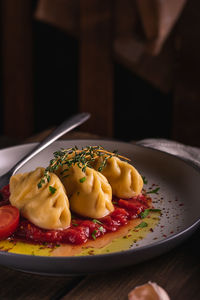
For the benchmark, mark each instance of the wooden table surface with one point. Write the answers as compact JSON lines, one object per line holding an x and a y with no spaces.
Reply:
{"x":178,"y":272}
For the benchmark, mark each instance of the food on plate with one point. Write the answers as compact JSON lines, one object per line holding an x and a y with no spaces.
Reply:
{"x":148,"y":291}
{"x":89,"y":192}
{"x":85,"y":202}
{"x":46,"y":207}
{"x":9,"y":220}
{"x":124,"y":179}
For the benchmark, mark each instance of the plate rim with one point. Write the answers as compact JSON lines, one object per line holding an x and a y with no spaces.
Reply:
{"x":155,"y":244}
{"x":186,"y":161}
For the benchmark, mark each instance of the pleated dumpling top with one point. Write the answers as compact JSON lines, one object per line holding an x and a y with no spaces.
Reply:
{"x":124,"y":179}
{"x":48,"y":206}
{"x":89,"y":192}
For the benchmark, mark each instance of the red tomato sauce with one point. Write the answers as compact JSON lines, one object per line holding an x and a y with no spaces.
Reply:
{"x":82,"y":229}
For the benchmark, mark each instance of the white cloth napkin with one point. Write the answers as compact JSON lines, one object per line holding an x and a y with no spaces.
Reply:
{"x":186,"y":152}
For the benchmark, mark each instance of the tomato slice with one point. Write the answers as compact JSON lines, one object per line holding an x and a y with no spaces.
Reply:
{"x":9,"y":220}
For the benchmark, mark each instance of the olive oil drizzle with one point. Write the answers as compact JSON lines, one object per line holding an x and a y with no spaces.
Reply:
{"x":130,"y":240}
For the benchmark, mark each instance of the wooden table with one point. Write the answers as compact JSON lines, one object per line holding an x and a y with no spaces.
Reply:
{"x":177,"y":271}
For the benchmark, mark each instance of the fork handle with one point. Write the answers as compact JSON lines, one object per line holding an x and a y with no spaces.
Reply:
{"x":65,"y":127}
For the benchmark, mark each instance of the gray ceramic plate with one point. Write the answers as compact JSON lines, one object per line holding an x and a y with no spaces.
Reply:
{"x":178,"y":199}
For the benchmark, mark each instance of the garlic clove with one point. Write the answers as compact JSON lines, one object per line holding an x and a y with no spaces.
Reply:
{"x":148,"y":291}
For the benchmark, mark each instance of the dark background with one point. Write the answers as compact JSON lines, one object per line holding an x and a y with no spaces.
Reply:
{"x":141,"y":109}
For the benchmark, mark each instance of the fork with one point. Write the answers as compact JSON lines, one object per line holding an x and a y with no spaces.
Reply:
{"x":65,"y":127}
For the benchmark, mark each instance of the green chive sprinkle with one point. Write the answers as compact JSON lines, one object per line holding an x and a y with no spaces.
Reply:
{"x":52,"y":189}
{"x":144,"y":213}
{"x":93,"y":234}
{"x":97,"y":221}
{"x":82,"y":179}
{"x":82,"y":158}
{"x":101,"y":228}
{"x":153,"y":191}
{"x":142,"y":225}
{"x":144,"y":180}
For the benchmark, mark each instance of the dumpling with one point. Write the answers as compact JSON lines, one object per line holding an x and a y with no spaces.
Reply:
{"x":124,"y":179}
{"x":89,"y":192}
{"x":48,"y":206}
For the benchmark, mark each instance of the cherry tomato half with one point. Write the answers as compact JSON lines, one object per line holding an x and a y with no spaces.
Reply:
{"x":9,"y":220}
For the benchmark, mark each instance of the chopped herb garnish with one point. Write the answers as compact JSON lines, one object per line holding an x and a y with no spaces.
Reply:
{"x":145,"y":213}
{"x":39,"y":185}
{"x":144,"y":180}
{"x":73,"y":156}
{"x":52,"y":189}
{"x":153,"y":191}
{"x":97,"y":222}
{"x":101,"y":228}
{"x":115,"y":203}
{"x":82,"y":179}
{"x":93,"y":234}
{"x":142,"y":225}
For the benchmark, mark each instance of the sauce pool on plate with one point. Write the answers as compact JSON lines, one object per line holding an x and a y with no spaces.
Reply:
{"x":116,"y":232}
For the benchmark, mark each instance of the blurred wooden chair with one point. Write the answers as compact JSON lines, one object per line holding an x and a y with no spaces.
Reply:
{"x":107,"y":30}
{"x":132,"y":32}
{"x":17,"y":67}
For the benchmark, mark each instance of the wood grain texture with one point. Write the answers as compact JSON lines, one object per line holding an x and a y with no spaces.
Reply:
{"x":63,"y":14}
{"x":159,"y":70}
{"x":23,"y":286}
{"x":17,"y":67}
{"x":186,"y":121}
{"x":178,"y":272}
{"x":96,"y":67}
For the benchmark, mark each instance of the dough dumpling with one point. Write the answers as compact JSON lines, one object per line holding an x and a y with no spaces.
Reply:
{"x":89,"y":192}
{"x":39,"y":205}
{"x":124,"y":179}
